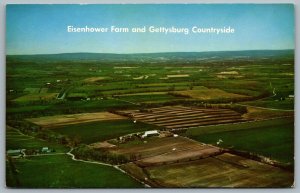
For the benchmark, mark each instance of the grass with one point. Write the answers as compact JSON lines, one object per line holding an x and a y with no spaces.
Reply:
{"x":272,"y":138}
{"x":97,"y":105}
{"x":60,"y":171}
{"x":204,"y":93}
{"x":260,"y":114}
{"x":149,"y":98}
{"x":66,"y":107}
{"x":24,"y":109}
{"x":16,"y":140}
{"x":36,"y":97}
{"x":287,"y":104}
{"x":32,"y":90}
{"x":103,"y":130}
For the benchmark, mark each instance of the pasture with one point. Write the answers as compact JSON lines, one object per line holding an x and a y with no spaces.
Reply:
{"x":158,"y":97}
{"x":17,"y":140}
{"x":102,"y":130}
{"x":36,"y":97}
{"x":60,"y":171}
{"x":54,"y":171}
{"x":270,"y":138}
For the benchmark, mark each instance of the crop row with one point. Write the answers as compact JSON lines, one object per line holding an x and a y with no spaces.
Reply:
{"x":175,"y":117}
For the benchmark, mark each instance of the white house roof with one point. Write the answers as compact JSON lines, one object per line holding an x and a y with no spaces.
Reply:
{"x":151,"y":132}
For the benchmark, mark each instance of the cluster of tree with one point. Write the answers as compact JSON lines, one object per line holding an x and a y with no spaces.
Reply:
{"x":87,"y":153}
{"x":29,"y":128}
{"x":53,"y":137}
{"x":24,"y":126}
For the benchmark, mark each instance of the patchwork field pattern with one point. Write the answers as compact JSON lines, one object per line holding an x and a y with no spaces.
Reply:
{"x":225,"y":170}
{"x":182,"y":162}
{"x":176,"y":117}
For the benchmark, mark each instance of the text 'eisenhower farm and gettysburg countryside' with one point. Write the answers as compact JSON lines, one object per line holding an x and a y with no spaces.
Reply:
{"x":150,"y":29}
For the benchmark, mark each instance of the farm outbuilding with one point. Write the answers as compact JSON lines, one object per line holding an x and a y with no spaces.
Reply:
{"x":150,"y":133}
{"x":46,"y":150}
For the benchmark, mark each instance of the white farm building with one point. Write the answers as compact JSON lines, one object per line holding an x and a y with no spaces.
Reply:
{"x":150,"y":133}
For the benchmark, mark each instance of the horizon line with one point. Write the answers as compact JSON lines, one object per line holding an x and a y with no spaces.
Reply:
{"x":148,"y":52}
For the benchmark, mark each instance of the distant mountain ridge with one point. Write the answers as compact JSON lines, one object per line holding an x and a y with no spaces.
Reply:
{"x":155,"y":56}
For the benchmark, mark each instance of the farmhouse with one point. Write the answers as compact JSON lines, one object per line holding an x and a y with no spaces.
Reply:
{"x":150,"y":133}
{"x":46,"y":150}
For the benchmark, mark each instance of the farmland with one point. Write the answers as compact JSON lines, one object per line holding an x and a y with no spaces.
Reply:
{"x":225,"y":170}
{"x":54,"y":170}
{"x":181,"y":162}
{"x":260,"y":137}
{"x":102,"y":130}
{"x":176,"y":117}
{"x":165,"y":150}
{"x":59,"y":120}
{"x":15,"y":140}
{"x":207,"y":108}
{"x":204,"y":93}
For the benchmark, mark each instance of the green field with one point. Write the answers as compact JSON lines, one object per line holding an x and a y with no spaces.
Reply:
{"x":59,"y":171}
{"x":103,"y":130}
{"x":149,"y":98}
{"x":66,"y":107}
{"x":272,"y":138}
{"x":287,"y":104}
{"x":17,"y":140}
{"x":64,"y":84}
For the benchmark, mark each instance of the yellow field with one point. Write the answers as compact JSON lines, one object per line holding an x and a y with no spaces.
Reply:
{"x":94,"y":79}
{"x":36,"y":97}
{"x":59,"y":120}
{"x":178,"y":75}
{"x":260,"y":114}
{"x":125,"y":67}
{"x":229,"y":73}
{"x":204,"y":93}
{"x":143,"y":93}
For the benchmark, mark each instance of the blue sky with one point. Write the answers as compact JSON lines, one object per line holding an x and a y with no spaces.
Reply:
{"x":42,"y":29}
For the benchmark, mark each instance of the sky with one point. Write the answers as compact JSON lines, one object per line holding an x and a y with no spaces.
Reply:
{"x":42,"y":29}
